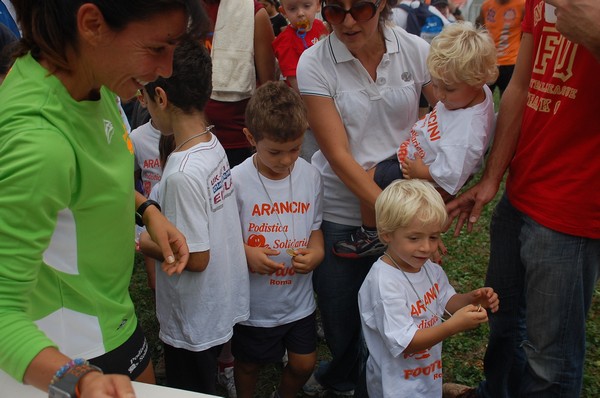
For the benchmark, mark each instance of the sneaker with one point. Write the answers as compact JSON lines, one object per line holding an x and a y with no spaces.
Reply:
{"x":360,"y":244}
{"x":225,"y":380}
{"x":452,"y":390}
{"x":313,"y":388}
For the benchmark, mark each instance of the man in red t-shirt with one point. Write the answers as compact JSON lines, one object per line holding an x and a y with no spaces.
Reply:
{"x":545,"y":232}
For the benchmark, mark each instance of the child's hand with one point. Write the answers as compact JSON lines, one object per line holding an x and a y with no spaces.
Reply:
{"x":259,"y":261}
{"x":486,"y":298}
{"x":468,"y":317}
{"x":414,"y":168}
{"x":306,"y":260}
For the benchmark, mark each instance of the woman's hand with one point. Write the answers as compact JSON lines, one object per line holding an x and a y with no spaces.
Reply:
{"x":171,"y":241}
{"x":98,"y":385}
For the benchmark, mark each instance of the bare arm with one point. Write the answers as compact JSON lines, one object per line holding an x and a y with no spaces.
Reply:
{"x":197,"y":262}
{"x":464,"y":319}
{"x":332,"y":138}
{"x":309,"y":258}
{"x":172,"y":243}
{"x":42,"y":368}
{"x":468,"y":206}
{"x":264,"y":59}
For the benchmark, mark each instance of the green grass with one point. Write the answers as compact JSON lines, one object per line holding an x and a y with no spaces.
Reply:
{"x":465,"y":265}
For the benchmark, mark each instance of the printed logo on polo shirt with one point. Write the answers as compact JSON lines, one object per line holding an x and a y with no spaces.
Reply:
{"x":109,"y":130}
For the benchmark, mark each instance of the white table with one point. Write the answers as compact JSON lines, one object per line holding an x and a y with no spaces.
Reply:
{"x":141,"y":391}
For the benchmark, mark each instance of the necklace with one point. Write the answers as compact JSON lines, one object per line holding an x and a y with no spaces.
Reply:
{"x":206,"y":131}
{"x":395,"y":264}
{"x":290,"y":251}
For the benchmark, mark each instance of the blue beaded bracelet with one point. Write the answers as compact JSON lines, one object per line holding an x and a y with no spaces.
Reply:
{"x":69,"y":365}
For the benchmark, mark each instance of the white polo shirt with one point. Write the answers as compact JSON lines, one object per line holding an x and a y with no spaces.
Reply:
{"x":378,"y":115}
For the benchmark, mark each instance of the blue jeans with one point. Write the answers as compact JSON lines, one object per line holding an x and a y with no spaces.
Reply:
{"x":336,"y":282}
{"x":545,"y":281}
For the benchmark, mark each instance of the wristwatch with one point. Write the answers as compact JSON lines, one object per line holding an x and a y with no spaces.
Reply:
{"x":66,"y":386}
{"x":140,"y":211}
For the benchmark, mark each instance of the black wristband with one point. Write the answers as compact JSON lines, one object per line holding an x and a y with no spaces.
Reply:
{"x":140,"y":211}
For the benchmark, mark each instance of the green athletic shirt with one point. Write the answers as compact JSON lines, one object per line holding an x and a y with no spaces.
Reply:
{"x":66,"y":220}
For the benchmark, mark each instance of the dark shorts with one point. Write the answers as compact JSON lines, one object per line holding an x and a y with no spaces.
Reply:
{"x":267,"y":345}
{"x":504,"y":74}
{"x":387,"y":171}
{"x":130,"y":359}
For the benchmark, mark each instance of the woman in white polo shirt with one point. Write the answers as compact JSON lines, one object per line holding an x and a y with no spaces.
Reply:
{"x":361,"y":86}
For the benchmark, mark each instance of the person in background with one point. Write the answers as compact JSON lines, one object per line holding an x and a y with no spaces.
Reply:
{"x":240,"y":46}
{"x":278,"y":21}
{"x":280,"y":261}
{"x":362,"y":94}
{"x":503,"y":18}
{"x":197,"y":309}
{"x":147,"y":172}
{"x":444,"y":8}
{"x":303,"y":32}
{"x":545,"y":231}
{"x":407,"y":305}
{"x":68,"y":200}
{"x":7,"y":42}
{"x":8,"y":17}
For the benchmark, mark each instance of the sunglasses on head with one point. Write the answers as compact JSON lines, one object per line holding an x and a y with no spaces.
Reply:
{"x":361,"y":12}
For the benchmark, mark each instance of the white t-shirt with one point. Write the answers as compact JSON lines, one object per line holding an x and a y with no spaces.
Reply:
{"x":197,"y":310}
{"x":145,"y":145}
{"x":285,"y":296}
{"x":452,"y":142}
{"x":391,"y":314}
{"x":377,"y":114}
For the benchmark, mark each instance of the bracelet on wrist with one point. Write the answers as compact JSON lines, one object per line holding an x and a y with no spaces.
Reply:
{"x":140,"y":211}
{"x":64,"y":383}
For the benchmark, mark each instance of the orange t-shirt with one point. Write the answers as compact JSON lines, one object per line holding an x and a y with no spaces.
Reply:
{"x":503,"y":21}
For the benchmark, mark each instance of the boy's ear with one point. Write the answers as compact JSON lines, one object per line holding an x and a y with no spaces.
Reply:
{"x":385,"y":237}
{"x":281,"y":10}
{"x":160,"y":97}
{"x":249,"y":136}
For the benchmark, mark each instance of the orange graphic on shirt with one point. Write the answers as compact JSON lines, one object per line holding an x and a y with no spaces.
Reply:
{"x":256,"y":240}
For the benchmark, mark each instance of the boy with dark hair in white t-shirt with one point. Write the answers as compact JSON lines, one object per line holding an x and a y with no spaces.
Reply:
{"x":197,"y":309}
{"x":279,"y":199}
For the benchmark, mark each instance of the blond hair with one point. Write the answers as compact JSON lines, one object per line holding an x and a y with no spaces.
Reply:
{"x":463,"y":54}
{"x":403,"y":201}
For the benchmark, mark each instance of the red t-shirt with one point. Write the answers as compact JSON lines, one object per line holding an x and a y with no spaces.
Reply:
{"x":288,"y":46}
{"x":555,"y":173}
{"x":227,"y":117}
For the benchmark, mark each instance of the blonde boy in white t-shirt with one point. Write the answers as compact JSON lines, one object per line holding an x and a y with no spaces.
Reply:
{"x":405,"y":297}
{"x":448,"y":144}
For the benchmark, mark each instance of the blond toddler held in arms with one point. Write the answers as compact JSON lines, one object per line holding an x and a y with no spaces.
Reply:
{"x":447,"y":145}
{"x":407,"y":305}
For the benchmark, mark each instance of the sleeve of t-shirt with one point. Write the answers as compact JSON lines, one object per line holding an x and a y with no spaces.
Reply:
{"x":185,"y":205}
{"x":33,"y":162}
{"x":311,"y":73}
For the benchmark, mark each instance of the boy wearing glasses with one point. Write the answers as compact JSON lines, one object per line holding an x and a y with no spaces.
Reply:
{"x":302,"y":32}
